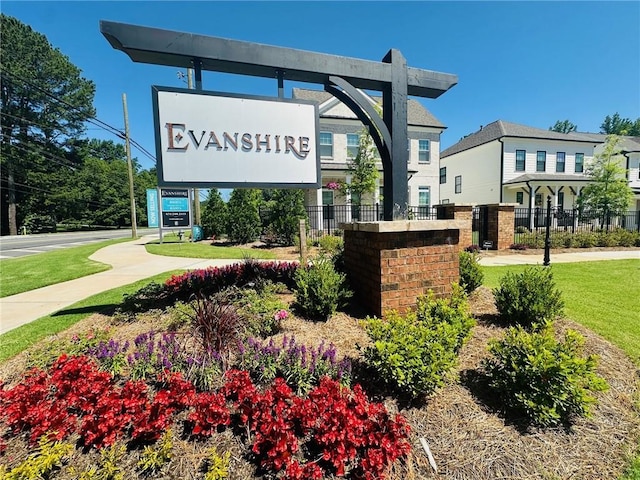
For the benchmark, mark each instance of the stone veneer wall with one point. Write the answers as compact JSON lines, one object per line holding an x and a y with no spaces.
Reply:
{"x":390,"y":266}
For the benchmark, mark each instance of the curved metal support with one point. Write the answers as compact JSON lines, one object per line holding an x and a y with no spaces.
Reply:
{"x":359,"y":105}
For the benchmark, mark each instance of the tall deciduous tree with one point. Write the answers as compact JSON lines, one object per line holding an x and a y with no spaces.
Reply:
{"x":609,"y":191}
{"x":39,"y":84}
{"x":564,"y":126}
{"x":616,"y":125}
{"x":362,"y":169}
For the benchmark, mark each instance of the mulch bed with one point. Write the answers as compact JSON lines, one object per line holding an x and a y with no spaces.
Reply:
{"x":468,"y":434}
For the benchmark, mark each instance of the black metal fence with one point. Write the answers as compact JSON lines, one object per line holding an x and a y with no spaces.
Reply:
{"x":326,"y":219}
{"x":529,"y":220}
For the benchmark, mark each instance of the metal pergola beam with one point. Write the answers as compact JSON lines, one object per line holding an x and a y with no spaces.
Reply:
{"x":178,"y":49}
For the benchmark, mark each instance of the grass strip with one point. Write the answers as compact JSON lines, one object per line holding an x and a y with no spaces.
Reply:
{"x":30,"y":272}
{"x":602,"y":296}
{"x":172,"y":247}
{"x":21,"y":338}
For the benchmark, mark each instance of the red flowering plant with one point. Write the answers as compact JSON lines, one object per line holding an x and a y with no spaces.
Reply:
{"x":348,"y":432}
{"x":74,"y":396}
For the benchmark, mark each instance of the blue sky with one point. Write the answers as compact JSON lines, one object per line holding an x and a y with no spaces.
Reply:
{"x":525,"y":62}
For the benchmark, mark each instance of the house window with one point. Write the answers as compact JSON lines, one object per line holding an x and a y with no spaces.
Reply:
{"x":458,"y":188}
{"x":443,"y":175}
{"x":579,"y":162}
{"x":327,"y":197}
{"x":538,"y":199}
{"x":424,"y":196}
{"x":520,"y":197}
{"x":520,"y":160}
{"x":560,"y":162}
{"x":423,"y":151}
{"x":541,"y":161}
{"x":353,"y":145}
{"x":560,"y":200}
{"x":326,"y":144}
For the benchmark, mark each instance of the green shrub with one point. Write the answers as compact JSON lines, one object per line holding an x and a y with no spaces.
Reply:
{"x":546,"y":380}
{"x":625,"y":238}
{"x":320,"y":290}
{"x":414,"y":353}
{"x":471,"y":275}
{"x":260,"y":308}
{"x":529,"y":298}
{"x":585,"y":239}
{"x":330,"y":244}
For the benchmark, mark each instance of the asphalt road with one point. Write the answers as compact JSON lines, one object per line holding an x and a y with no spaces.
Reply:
{"x":21,"y":245}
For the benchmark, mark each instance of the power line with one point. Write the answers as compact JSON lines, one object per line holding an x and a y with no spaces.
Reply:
{"x":92,"y":119}
{"x":87,"y":146}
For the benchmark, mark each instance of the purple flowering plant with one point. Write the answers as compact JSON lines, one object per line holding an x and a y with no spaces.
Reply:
{"x":301,"y":366}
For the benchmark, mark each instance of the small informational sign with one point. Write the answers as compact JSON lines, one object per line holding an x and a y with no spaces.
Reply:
{"x":175,"y":205}
{"x":487,"y":244}
{"x":152,"y":208}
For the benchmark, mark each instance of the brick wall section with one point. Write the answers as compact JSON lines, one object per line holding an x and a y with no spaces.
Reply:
{"x":389,"y":270}
{"x":501,"y":223}
{"x":464,"y":213}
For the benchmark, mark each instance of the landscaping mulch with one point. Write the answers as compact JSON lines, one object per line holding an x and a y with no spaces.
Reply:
{"x":468,"y":434}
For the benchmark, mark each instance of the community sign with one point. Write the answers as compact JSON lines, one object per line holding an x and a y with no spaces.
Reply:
{"x":221,"y":140}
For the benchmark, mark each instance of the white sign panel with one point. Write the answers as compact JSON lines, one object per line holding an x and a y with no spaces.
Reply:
{"x":209,"y":139}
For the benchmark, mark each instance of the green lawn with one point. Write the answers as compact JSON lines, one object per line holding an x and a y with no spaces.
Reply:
{"x":22,"y":274}
{"x":18,"y":339}
{"x":172,"y":247}
{"x":602,"y":296}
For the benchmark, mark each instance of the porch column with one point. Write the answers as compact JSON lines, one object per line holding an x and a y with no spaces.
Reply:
{"x":320,"y":209}
{"x":554,"y":204}
{"x":347,"y":201}
{"x":531,"y":207}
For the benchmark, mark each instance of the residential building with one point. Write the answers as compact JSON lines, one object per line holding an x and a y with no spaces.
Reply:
{"x":506,"y":162}
{"x":339,"y":139}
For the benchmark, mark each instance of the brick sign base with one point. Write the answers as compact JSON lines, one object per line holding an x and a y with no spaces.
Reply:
{"x":390,"y":264}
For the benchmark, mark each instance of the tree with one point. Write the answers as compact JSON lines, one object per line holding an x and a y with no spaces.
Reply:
{"x":616,"y":125}
{"x":362,"y":169}
{"x":564,"y":126}
{"x":609,"y":191}
{"x":286,"y":209}
{"x":214,"y":214}
{"x":243,"y":222}
{"x":44,"y":102}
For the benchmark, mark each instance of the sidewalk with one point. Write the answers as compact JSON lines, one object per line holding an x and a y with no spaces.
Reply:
{"x":492,"y":259}
{"x":130,"y":262}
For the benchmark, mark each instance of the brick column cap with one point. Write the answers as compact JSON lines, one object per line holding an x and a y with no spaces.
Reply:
{"x":404,"y":226}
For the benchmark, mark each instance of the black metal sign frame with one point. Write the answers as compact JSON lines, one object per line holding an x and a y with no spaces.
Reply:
{"x":341,"y":76}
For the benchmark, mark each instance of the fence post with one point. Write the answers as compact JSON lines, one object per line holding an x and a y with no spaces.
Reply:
{"x":547,"y":239}
{"x":303,"y":242}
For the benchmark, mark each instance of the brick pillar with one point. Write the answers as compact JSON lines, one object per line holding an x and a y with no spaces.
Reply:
{"x":501,"y":225}
{"x":464,"y":214}
{"x":390,"y":264}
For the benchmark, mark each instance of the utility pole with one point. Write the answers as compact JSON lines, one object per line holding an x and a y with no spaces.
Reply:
{"x":134,"y":228}
{"x":196,"y":191}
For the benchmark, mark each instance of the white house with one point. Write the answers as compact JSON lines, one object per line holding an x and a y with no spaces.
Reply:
{"x":339,"y":140}
{"x":511,"y":163}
